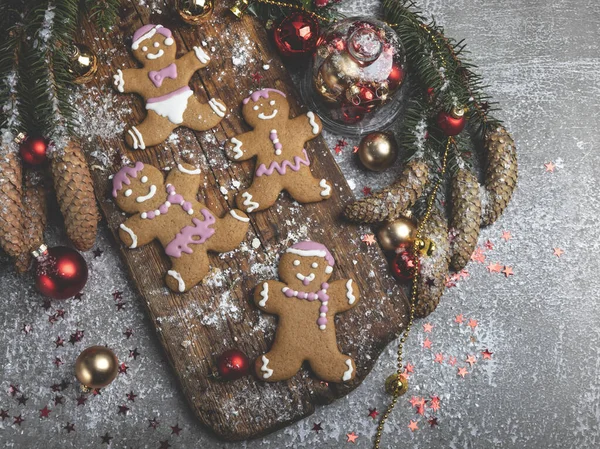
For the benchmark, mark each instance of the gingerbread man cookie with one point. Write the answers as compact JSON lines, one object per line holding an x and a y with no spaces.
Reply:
{"x":163,"y":83}
{"x":277,"y":141}
{"x":306,"y":305}
{"x":169,"y":212}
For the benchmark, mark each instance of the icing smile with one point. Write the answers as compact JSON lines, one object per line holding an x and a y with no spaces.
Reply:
{"x":141,"y":199}
{"x":156,"y":55}
{"x":306,"y":279}
{"x":267,"y":117}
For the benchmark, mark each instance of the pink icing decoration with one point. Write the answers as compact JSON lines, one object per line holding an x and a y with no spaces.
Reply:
{"x":173,"y":198}
{"x":264,"y":93}
{"x":309,"y":245}
{"x":169,"y":95}
{"x":143,"y":30}
{"x":273,"y":137}
{"x":321,"y":295}
{"x":282,"y":167}
{"x":187,"y":236}
{"x":157,"y":76}
{"x":122,"y":177}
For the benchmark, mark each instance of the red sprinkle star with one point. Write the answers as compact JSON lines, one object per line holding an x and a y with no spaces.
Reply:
{"x":434,"y":404}
{"x":487,"y":354}
{"x":351,"y":437}
{"x":131,"y":397}
{"x":421,"y":409}
{"x":367,"y":190}
{"x":506,"y":236}
{"x":60,"y":313}
{"x":508,"y":271}
{"x":123,"y":409}
{"x":120,"y":305}
{"x":427,"y":343}
{"x":27,"y":328}
{"x":409,"y":368}
{"x":478,"y":255}
{"x":471,"y":360}
{"x":558,"y":252}
{"x":58,"y":361}
{"x":413,"y":425}
{"x":176,"y":429}
{"x":106,"y":438}
{"x":317,"y":427}
{"x":342,"y":142}
{"x":164,"y":445}
{"x":76,"y":337}
{"x":81,"y":400}
{"x":373,"y":413}
{"x":494,"y":268}
{"x":134,"y":353}
{"x":154,"y":423}
{"x":59,"y":400}
{"x":52,"y":319}
{"x":69,"y":427}
{"x":472,"y":323}
{"x":117,"y":294}
{"x":337,"y":149}
{"x":22,"y":400}
{"x":369,"y":239}
{"x":489,"y":245}
{"x":428,"y":327}
{"x":462,"y":372}
{"x":550,"y":166}
{"x":452,"y":361}
{"x":13,"y":389}
{"x":439,"y":358}
{"x":256,"y":77}
{"x":355,"y":149}
{"x":128,"y":333}
{"x":416,"y":401}
{"x":459,"y":319}
{"x":45,"y":412}
{"x":18,"y":420}
{"x":433,"y":421}
{"x":123,"y":368}
{"x":4,"y":414}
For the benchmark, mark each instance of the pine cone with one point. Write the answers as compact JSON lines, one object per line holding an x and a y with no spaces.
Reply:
{"x":433,"y":269}
{"x":11,"y":217}
{"x":501,"y":174}
{"x":75,"y":195}
{"x":465,"y":217}
{"x":34,"y":213}
{"x":390,"y":202}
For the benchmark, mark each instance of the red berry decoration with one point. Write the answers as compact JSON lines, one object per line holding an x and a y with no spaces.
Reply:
{"x":452,"y":123}
{"x":403,"y":267}
{"x":233,"y":364}
{"x":396,"y":76}
{"x":297,"y":35}
{"x":33,"y":150}
{"x":60,"y":272}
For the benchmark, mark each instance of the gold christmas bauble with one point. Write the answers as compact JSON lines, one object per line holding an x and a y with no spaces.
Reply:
{"x":396,"y":385}
{"x":96,"y":367}
{"x":193,"y":12}
{"x":378,"y":151}
{"x":328,"y":82}
{"x":397,"y":233}
{"x":83,"y":63}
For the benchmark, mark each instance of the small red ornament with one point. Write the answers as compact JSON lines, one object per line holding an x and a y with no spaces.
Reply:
{"x":452,"y":123}
{"x":396,"y":76}
{"x":33,"y":150}
{"x":233,"y":364}
{"x":297,"y":35}
{"x":60,"y":272}
{"x":352,"y":113}
{"x":403,"y":266}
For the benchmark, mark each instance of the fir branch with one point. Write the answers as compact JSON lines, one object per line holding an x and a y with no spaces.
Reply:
{"x":103,"y":13}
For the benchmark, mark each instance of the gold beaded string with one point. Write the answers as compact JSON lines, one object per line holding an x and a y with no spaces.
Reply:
{"x":296,"y":7}
{"x":400,"y":387}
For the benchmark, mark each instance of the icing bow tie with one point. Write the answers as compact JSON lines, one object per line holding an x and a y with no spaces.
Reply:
{"x":157,"y":76}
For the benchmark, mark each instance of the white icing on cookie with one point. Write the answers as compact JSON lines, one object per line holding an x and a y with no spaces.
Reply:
{"x":173,"y":107}
{"x":218,"y":108}
{"x":149,"y":195}
{"x":119,"y":81}
{"x":312,"y":122}
{"x":144,"y":179}
{"x":296,"y":262}
{"x":238,"y":153}
{"x":250,"y":205}
{"x":136,"y":44}
{"x":265,"y":368}
{"x":128,"y":192}
{"x":306,"y":252}
{"x":262,"y":115}
{"x":182,"y":169}
{"x":328,"y":269}
{"x":235,"y":215}
{"x":264,"y":294}
{"x":144,"y":48}
{"x":309,"y":277}
{"x":156,"y":55}
{"x":138,"y":140}
{"x":201,"y":55}
{"x":326,"y":188}
{"x":348,"y":373}
{"x":349,"y":292}
{"x":156,"y":44}
{"x":131,"y":234}
{"x":144,"y":215}
{"x":168,"y":41}
{"x":177,"y":276}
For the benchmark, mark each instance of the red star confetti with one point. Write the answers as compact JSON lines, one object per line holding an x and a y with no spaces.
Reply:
{"x":366,"y":190}
{"x":478,"y":255}
{"x":123,"y":368}
{"x":96,"y":391}
{"x":421,"y":409}
{"x":506,"y":236}
{"x":120,"y":305}
{"x":58,"y":361}
{"x":27,"y":328}
{"x":462,"y":274}
{"x":450,"y":282}
{"x":317,"y":427}
{"x":106,"y":438}
{"x":550,"y":167}
{"x":489,"y":245}
{"x":52,"y":319}
{"x":462,"y":372}
{"x":427,"y":343}
{"x":128,"y":333}
{"x":427,"y":327}
{"x":164,"y":445}
{"x":81,"y":400}
{"x":22,"y":400}
{"x":369,"y":239}
{"x":459,"y":319}
{"x":558,"y":252}
{"x":256,"y":77}
{"x":153,"y":423}
{"x":452,"y":361}
{"x":355,"y":149}
{"x":76,"y":337}
{"x":78,"y":296}
{"x":69,"y":427}
{"x":472,"y":323}
{"x":434,"y":404}
{"x":97,"y":253}
{"x":487,"y":355}
{"x":134,"y":353}
{"x":439,"y":358}
{"x":45,"y":412}
{"x":60,"y":313}
{"x":471,"y":360}
{"x":117,"y":294}
{"x":373,"y":413}
{"x":176,"y":429}
{"x":4,"y":414}
{"x":59,"y":341}
{"x":409,"y":368}
{"x":131,"y":397}
{"x":18,"y":420}
{"x":433,"y":421}
{"x":508,"y":271}
{"x":59,"y":400}
{"x":342,"y":142}
{"x":416,"y":401}
{"x":351,"y":437}
{"x":494,"y":268}
{"x":13,"y":389}
{"x":123,"y":409}
{"x":413,"y":425}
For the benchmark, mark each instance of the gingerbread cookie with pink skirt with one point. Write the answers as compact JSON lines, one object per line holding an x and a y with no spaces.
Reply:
{"x":306,"y":304}
{"x":170,"y":213}
{"x":163,"y":83}
{"x":282,"y":162}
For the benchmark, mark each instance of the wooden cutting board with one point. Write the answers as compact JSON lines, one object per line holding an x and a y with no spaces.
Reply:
{"x":196,"y":327}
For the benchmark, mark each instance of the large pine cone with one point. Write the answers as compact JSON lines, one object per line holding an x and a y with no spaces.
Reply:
{"x":501,"y":174}
{"x":75,"y":195}
{"x":392,"y":201}
{"x":11,"y":207}
{"x":465,"y":217}
{"x":434,"y":268}
{"x":34,"y":212}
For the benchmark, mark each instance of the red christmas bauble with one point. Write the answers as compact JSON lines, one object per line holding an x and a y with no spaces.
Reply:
{"x":352,"y":113}
{"x":396,"y":76}
{"x":33,"y":150}
{"x":403,"y":266}
{"x":297,"y":35}
{"x":451,"y":123}
{"x":60,"y":272}
{"x":233,"y":364}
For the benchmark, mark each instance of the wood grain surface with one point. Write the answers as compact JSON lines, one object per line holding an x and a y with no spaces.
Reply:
{"x":245,"y":408}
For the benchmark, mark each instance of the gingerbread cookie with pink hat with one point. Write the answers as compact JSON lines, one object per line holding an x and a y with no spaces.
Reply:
{"x":277,"y":142}
{"x":163,"y":83}
{"x":169,"y":212}
{"x":306,"y":304}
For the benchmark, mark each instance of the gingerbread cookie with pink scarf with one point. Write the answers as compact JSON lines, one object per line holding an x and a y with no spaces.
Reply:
{"x":282,"y":162}
{"x":306,"y":304}
{"x":163,"y":83}
{"x":170,"y":213}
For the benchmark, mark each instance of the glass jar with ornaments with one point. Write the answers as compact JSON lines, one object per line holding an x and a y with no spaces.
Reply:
{"x":356,"y":75}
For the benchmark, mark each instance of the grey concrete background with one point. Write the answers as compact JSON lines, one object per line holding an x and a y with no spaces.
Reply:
{"x":541,"y":389}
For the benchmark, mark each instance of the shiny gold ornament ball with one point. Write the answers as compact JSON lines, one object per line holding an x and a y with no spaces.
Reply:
{"x":239,"y":8}
{"x":397,"y":233}
{"x":396,"y":385}
{"x":378,"y":151}
{"x":194,"y":12}
{"x":83,"y":63}
{"x":96,"y":367}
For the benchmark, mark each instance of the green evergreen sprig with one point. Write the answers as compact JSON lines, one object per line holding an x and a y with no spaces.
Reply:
{"x":104,"y":13}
